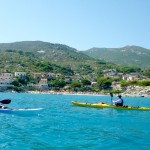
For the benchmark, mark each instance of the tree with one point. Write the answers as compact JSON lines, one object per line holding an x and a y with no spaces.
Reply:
{"x":147,"y":73}
{"x":132,"y":83}
{"x":144,"y":83}
{"x":16,"y":88}
{"x":130,"y":69}
{"x":104,"y":83}
{"x":124,"y":83}
{"x":57,"y":83}
{"x":16,"y":83}
{"x":75,"y":85}
{"x":85,"y":82}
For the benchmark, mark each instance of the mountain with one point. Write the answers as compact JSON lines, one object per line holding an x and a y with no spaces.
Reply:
{"x":125,"y":56}
{"x":56,"y":53}
{"x":44,"y":49}
{"x":27,"y":55}
{"x":38,"y":56}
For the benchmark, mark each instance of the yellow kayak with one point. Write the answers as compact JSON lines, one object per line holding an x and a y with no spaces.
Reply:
{"x":103,"y":105}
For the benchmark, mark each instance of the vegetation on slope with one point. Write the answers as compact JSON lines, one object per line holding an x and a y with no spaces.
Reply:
{"x":125,"y":56}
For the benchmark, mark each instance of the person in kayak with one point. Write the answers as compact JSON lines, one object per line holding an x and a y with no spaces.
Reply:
{"x":5,"y":101}
{"x":118,"y":102}
{"x":2,"y":106}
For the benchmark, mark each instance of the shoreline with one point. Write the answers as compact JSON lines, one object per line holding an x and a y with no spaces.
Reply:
{"x":68,"y":93}
{"x":131,"y":92}
{"x":125,"y":94}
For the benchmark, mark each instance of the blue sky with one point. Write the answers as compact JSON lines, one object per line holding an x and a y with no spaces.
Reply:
{"x":81,"y":24}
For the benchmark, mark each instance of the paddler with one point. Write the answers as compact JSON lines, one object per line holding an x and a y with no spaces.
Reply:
{"x":2,"y":106}
{"x":118,"y":102}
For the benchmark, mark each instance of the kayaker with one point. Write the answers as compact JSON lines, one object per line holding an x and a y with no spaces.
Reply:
{"x":118,"y":102}
{"x":2,"y":106}
{"x":2,"y":102}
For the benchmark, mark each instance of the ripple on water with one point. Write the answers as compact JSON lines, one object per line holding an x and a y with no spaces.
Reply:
{"x":62,"y":126}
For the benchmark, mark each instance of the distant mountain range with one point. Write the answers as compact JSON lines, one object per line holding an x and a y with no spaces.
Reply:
{"x":125,"y":56}
{"x":66,"y":56}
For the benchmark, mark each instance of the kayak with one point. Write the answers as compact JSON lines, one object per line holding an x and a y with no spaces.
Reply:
{"x":4,"y":109}
{"x":20,"y":110}
{"x":101,"y":105}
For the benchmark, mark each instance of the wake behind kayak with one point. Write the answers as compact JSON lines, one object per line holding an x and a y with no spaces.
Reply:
{"x":21,"y":110}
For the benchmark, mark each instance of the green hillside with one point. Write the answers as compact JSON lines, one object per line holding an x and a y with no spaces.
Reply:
{"x":33,"y":55}
{"x":125,"y":56}
{"x":38,"y":56}
{"x":43,"y":51}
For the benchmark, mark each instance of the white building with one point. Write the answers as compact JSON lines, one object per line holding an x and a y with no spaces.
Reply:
{"x":51,"y":75}
{"x":20,"y":74}
{"x":129,"y":77}
{"x":6,"y":79}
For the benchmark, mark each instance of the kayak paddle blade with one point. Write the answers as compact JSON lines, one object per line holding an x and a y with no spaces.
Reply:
{"x":5,"y":101}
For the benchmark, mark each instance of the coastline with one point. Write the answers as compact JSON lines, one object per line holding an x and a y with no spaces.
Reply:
{"x":137,"y":91}
{"x":68,"y":93}
{"x":131,"y":91}
{"x":125,"y":94}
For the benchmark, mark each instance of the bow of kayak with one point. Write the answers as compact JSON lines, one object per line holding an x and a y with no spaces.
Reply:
{"x":100,"y":105}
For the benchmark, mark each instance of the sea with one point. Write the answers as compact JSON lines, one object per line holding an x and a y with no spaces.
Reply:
{"x":61,"y":126}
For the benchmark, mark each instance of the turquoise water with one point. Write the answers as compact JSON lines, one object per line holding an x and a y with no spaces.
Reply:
{"x":61,"y":126}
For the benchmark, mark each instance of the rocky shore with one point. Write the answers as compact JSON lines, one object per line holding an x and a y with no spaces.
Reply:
{"x":137,"y":91}
{"x":131,"y":91}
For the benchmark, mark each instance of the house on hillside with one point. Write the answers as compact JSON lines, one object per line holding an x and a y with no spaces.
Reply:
{"x":58,"y":75}
{"x":110,"y":73}
{"x":6,"y":79}
{"x":8,"y":75}
{"x":37,"y":77}
{"x":20,"y":74}
{"x":130,"y":77}
{"x":42,"y":85}
{"x":51,"y":75}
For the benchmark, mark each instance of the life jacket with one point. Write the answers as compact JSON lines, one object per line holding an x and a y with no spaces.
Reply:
{"x":119,"y":103}
{"x":122,"y":101}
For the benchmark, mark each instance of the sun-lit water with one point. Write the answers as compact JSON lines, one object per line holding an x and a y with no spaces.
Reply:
{"x":65,"y":127}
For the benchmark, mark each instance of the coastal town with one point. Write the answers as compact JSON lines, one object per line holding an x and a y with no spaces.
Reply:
{"x":42,"y":83}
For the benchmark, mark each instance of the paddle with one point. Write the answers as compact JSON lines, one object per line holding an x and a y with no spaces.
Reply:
{"x":5,"y":101}
{"x":111,"y":95}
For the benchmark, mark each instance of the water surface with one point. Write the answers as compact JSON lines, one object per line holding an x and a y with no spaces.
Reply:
{"x":65,"y":127}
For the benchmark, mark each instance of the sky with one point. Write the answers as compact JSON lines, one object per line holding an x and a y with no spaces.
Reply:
{"x":81,"y":24}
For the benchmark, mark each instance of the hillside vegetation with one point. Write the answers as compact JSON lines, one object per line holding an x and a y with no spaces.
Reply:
{"x":125,"y":56}
{"x":40,"y":56}
{"x":77,"y":70}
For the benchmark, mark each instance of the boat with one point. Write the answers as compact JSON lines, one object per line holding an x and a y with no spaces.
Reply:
{"x":103,"y":105}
